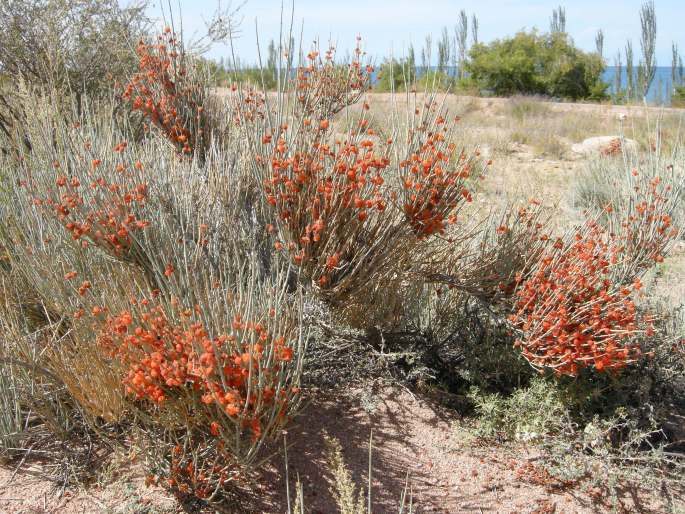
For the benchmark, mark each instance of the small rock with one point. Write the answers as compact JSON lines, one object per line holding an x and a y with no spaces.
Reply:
{"x":595,"y":145}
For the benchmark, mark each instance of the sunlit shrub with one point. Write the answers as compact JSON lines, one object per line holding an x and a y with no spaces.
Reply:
{"x":152,"y":317}
{"x":169,"y":94}
{"x":572,"y":314}
{"x":577,"y":307}
{"x":529,"y":414}
{"x":348,"y":207}
{"x":618,"y":182}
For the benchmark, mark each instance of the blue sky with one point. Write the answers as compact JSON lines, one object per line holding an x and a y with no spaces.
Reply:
{"x":390,"y":25}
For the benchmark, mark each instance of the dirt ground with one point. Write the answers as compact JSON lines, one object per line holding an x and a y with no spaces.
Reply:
{"x":417,"y":442}
{"x":417,"y":445}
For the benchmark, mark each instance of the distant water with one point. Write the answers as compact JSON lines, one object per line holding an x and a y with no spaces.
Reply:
{"x":660,"y":91}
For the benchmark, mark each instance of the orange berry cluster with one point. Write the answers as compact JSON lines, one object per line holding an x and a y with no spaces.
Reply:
{"x":433,"y":187}
{"x":164,"y":356}
{"x":106,"y":214}
{"x":162,"y":92}
{"x":571,"y":312}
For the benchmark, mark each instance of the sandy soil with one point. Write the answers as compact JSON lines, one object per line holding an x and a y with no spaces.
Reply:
{"x":416,"y":444}
{"x":25,"y":493}
{"x":420,"y":443}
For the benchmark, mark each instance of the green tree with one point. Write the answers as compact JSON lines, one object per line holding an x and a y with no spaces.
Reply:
{"x":411,"y":59}
{"x":630,"y":72}
{"x":444,"y":50}
{"x":618,"y":77}
{"x":646,"y":69}
{"x":395,"y":75}
{"x":599,"y":42}
{"x":272,"y":59}
{"x":557,"y":24}
{"x":461,"y":33}
{"x":533,"y":63}
{"x":474,"y":29}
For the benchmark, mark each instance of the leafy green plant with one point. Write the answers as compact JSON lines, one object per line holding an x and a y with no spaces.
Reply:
{"x":678,"y":98}
{"x":529,"y":413}
{"x":533,"y":63}
{"x":395,"y":75}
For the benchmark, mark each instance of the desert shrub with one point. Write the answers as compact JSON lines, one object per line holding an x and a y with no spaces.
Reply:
{"x":39,"y":412}
{"x":588,"y":282}
{"x":522,"y":107}
{"x":583,"y":439}
{"x":82,"y":45}
{"x":170,"y":93}
{"x":572,"y":313}
{"x":604,"y":430}
{"x":471,"y":347}
{"x":78,"y":47}
{"x":492,"y":252}
{"x":611,"y":179}
{"x":521,"y":137}
{"x":461,"y":335}
{"x":154,"y":317}
{"x":623,"y":424}
{"x":532,"y":63}
{"x":551,"y":146}
{"x":528,"y":413}
{"x":333,"y":198}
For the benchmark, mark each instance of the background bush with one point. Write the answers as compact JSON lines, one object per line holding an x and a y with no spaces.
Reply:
{"x":533,"y":63}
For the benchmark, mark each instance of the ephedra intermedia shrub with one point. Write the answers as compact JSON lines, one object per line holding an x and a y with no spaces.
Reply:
{"x":142,"y":262}
{"x":171,"y":93}
{"x":351,"y":206}
{"x":577,"y":307}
